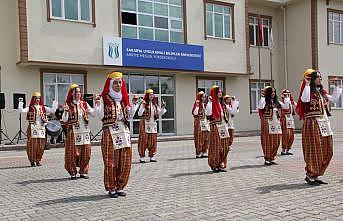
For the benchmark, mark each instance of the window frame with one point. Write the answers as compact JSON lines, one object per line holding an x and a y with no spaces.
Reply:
{"x":225,"y":4}
{"x":60,"y":71}
{"x":256,"y":81}
{"x":211,"y":79}
{"x":340,"y":13}
{"x":270,"y":22}
{"x":159,"y":95}
{"x":183,"y":20}
{"x":62,"y":18}
{"x":339,"y":78}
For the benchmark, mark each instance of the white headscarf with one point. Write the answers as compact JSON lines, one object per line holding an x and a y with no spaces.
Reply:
{"x":117,"y":96}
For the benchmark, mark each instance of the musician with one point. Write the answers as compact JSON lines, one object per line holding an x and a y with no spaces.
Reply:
{"x":78,"y":142}
{"x":36,"y":133}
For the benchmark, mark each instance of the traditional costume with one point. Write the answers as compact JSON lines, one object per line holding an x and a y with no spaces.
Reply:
{"x":287,"y":123}
{"x":36,"y":134}
{"x":219,"y":135}
{"x":78,"y":140}
{"x":115,"y":110}
{"x":317,"y":140}
{"x":201,"y":127}
{"x":269,"y":111}
{"x":149,"y":113}
{"x":232,"y":107}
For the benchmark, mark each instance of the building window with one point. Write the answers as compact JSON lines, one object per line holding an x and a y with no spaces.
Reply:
{"x":219,"y":21}
{"x":333,"y":82}
{"x":206,"y":84}
{"x":164,"y":89}
{"x":158,"y":20}
{"x":335,"y":28}
{"x":74,"y":10}
{"x":55,"y":86}
{"x":256,"y":87}
{"x":254,"y":31}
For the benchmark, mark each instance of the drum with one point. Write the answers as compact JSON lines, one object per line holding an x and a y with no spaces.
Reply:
{"x":53,"y":128}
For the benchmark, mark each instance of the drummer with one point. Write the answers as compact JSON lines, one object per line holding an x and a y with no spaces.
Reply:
{"x":37,"y":118}
{"x":78,"y":141}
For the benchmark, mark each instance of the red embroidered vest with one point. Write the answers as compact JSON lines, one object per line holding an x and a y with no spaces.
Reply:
{"x":74,"y":115}
{"x":111,"y":113}
{"x":31,"y":115}
{"x":316,"y":106}
{"x":147,"y":112}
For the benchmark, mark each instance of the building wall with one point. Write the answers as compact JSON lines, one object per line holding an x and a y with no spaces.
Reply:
{"x":329,"y":55}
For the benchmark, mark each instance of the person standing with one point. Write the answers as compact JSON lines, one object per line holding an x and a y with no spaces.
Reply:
{"x":219,"y":131}
{"x":78,"y":142}
{"x":149,"y":112}
{"x":201,"y":126}
{"x":287,"y":123}
{"x":317,"y":142}
{"x":232,"y":107}
{"x":114,"y":110}
{"x":269,"y":110}
{"x":36,"y":133}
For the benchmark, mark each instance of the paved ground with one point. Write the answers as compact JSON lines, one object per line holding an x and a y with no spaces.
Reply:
{"x":178,"y":187}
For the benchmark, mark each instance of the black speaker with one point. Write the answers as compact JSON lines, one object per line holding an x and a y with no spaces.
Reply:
{"x":89,"y":99}
{"x":16,"y":97}
{"x":2,"y":100}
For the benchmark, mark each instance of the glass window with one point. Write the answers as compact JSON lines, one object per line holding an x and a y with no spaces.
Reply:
{"x":146,"y":34}
{"x":255,"y":93}
{"x":56,"y":8}
{"x":163,"y":87}
{"x":157,"y":14}
{"x":161,"y":35}
{"x":161,"y":22}
{"x":336,"y":82}
{"x":206,"y":84}
{"x":78,"y":10}
{"x":129,"y":32}
{"x":145,"y":7}
{"x":218,"y":21}
{"x":254,"y":31}
{"x":56,"y":86}
{"x":145,"y":20}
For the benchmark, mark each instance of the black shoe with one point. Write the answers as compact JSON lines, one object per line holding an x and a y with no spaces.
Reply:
{"x":153,"y":160}
{"x":84,"y":176}
{"x":197,"y":157}
{"x":320,"y":182}
{"x":142,"y":161}
{"x":121,"y":193}
{"x":289,"y":153}
{"x":273,"y":163}
{"x":215,"y":170}
{"x":113,"y":195}
{"x":33,"y":164}
{"x":283,"y":153}
{"x":267,"y":163}
{"x":222,"y":170}
{"x":73,"y":177}
{"x":204,"y":156}
{"x":38,"y":164}
{"x":310,"y":182}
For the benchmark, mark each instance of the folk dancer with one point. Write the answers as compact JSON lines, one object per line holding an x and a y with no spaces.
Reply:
{"x":150,"y":112}
{"x":317,"y":140}
{"x":287,"y":123}
{"x":201,"y":126}
{"x":219,"y":131}
{"x":78,"y":141}
{"x":232,"y":107}
{"x":271,"y":132}
{"x":36,"y":134}
{"x":114,"y":110}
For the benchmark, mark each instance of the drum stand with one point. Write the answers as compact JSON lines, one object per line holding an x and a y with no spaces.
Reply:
{"x":2,"y":132}
{"x":19,"y":133}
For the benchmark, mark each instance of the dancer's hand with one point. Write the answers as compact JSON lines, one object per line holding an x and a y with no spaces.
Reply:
{"x":65,"y":107}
